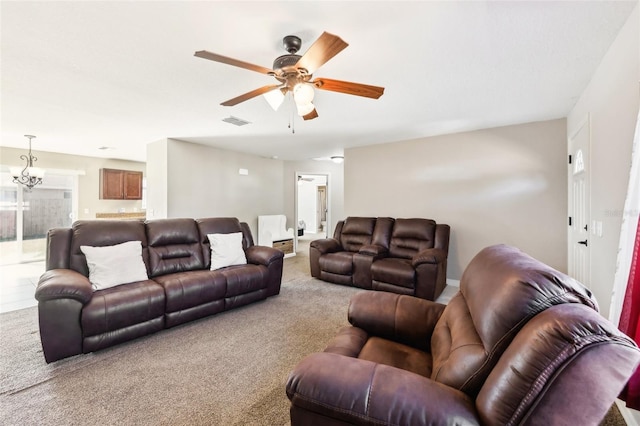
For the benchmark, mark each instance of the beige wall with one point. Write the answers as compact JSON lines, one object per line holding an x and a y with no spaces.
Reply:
{"x":502,"y":185}
{"x":88,"y":181}
{"x":611,"y":102}
{"x":335,"y":185}
{"x":202,"y":181}
{"x":157,"y":179}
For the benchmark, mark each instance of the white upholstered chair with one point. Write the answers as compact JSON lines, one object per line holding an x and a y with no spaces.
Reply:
{"x":273,"y":228}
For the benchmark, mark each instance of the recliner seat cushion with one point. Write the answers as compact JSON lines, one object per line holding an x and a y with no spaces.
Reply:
{"x":119,"y":307}
{"x":337,"y":263}
{"x":394,"y":271}
{"x":388,"y":352}
{"x":244,"y":279}
{"x":185,"y":290}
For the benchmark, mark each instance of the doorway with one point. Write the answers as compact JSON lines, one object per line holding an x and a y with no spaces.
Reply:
{"x":579,"y":204}
{"x":312,"y":214}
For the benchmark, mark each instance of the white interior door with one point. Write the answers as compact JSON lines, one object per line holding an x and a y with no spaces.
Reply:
{"x":579,"y":204}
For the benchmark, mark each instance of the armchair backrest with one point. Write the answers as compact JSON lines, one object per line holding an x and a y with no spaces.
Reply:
{"x":501,"y":289}
{"x":411,"y":236}
{"x":558,"y":360}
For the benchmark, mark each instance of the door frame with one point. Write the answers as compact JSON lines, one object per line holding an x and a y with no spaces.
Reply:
{"x":295,"y":203}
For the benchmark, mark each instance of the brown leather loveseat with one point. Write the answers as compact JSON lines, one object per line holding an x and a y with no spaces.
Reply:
{"x":406,"y":256}
{"x":178,"y":285}
{"x":520,"y":343}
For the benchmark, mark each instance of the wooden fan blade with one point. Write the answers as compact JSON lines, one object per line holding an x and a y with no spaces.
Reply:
{"x":324,"y":48}
{"x":349,"y":88}
{"x":230,"y":61}
{"x":313,"y":114}
{"x":251,"y":94}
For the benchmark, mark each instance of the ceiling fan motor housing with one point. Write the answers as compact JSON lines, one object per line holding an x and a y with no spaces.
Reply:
{"x":285,"y":61}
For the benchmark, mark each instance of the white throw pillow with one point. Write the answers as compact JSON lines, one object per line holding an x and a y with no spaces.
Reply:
{"x":226,"y":250}
{"x":110,"y":266}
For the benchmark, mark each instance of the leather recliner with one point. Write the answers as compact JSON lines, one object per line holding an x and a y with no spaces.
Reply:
{"x":520,"y":343}
{"x":405,"y":256}
{"x":75,"y":319}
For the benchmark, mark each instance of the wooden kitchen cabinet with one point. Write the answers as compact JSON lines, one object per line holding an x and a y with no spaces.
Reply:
{"x":120,"y":184}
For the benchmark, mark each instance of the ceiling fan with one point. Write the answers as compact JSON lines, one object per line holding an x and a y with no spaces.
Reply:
{"x":294,"y":74}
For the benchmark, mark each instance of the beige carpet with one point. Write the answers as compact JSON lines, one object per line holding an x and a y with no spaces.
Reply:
{"x":229,"y":369}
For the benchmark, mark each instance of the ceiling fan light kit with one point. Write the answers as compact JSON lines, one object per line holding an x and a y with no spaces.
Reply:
{"x":274,"y":98}
{"x":294,"y":74}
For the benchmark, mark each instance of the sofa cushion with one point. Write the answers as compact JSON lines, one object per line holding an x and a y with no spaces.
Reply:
{"x":337,"y":263}
{"x":174,"y":246}
{"x":390,"y":270}
{"x":411,"y":236}
{"x":244,"y":279}
{"x":119,"y":307}
{"x":104,"y":232}
{"x":185,"y":290}
{"x":388,"y":352}
{"x":110,"y":266}
{"x":356,"y":232}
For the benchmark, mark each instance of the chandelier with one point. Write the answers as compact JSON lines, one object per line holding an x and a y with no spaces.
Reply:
{"x":29,"y":176}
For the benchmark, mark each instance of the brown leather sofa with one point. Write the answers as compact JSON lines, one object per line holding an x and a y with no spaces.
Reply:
{"x":76,"y":319}
{"x":405,"y":256}
{"x":520,"y":343}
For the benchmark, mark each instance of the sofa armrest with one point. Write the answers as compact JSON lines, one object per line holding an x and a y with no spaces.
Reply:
{"x":373,"y":250}
{"x":397,"y":317}
{"x":262,"y":255}
{"x":326,"y":245}
{"x":355,"y":391}
{"x":64,"y":284}
{"x":433,"y":256}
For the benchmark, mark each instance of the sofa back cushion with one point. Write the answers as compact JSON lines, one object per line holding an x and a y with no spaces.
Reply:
{"x":221,"y":225}
{"x":500,"y":290}
{"x":356,"y":232}
{"x":101,"y":233}
{"x":174,"y":246}
{"x":410,"y":236}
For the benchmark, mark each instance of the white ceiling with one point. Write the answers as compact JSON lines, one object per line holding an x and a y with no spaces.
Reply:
{"x":84,"y":74}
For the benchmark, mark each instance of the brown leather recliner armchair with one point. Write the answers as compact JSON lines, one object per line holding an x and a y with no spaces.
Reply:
{"x":520,"y":343}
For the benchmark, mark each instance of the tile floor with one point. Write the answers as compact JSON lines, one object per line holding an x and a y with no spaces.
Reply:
{"x":18,"y":285}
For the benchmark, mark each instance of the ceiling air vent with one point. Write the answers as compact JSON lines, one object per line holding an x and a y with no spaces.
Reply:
{"x":235,"y":121}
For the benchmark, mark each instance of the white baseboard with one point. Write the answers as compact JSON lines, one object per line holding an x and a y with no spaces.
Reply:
{"x":627,"y":413}
{"x":454,"y":283}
